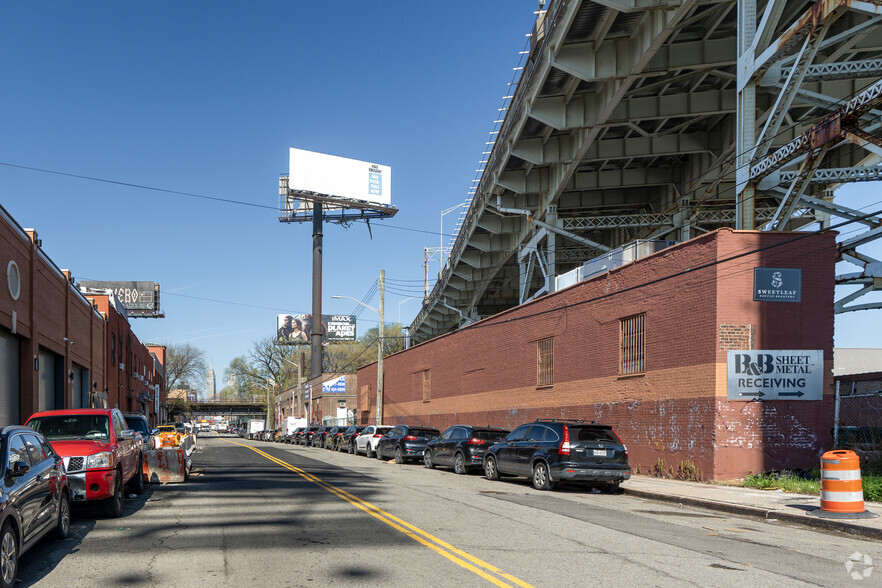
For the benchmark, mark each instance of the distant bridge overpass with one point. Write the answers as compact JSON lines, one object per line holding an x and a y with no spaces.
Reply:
{"x":665,"y":119}
{"x":228,"y":410}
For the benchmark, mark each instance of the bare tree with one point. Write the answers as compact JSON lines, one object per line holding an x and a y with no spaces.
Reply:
{"x":183,"y":362}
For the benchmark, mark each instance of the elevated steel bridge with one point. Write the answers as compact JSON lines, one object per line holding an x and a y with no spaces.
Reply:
{"x":664,"y":119}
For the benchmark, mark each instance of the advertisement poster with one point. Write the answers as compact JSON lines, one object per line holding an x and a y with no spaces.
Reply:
{"x":296,"y":329}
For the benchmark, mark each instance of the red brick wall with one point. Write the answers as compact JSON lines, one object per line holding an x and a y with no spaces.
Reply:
{"x":676,"y":411}
{"x":49,"y":310}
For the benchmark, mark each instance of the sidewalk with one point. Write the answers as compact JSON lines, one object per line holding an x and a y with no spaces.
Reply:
{"x":767,"y":504}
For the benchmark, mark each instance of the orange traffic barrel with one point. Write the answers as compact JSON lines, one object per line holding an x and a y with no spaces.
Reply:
{"x":842,"y":494}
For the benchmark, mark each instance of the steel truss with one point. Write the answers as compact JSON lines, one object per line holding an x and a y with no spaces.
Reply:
{"x":786,"y":62}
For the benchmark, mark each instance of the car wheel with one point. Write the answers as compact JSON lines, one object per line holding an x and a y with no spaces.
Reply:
{"x":352,"y":448}
{"x":8,"y":555}
{"x":541,"y":478}
{"x":398,"y":457}
{"x":427,"y":460}
{"x":378,"y":453}
{"x":612,"y":488}
{"x":136,"y":485}
{"x":113,"y":506}
{"x":490,"y":471}
{"x":367,"y":450}
{"x":459,"y":465}
{"x":62,"y":529}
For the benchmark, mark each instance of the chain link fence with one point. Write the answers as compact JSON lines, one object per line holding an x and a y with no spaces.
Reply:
{"x":859,"y":423}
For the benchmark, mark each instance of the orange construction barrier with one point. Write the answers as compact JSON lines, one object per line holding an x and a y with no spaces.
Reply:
{"x":842,"y":493}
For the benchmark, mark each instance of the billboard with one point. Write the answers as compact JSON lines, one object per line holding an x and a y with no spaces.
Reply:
{"x":296,"y":329}
{"x":138,"y":298}
{"x":339,"y":176}
{"x":790,"y":374}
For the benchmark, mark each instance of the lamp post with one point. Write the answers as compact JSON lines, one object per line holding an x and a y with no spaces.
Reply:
{"x":379,"y":311}
{"x":441,"y":235}
{"x":299,"y":384}
{"x":402,"y":302}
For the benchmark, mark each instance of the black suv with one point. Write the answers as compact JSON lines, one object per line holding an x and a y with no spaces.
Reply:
{"x":405,"y":443}
{"x":556,"y":451}
{"x":35,"y":497}
{"x":462,"y":447}
{"x":347,"y":440}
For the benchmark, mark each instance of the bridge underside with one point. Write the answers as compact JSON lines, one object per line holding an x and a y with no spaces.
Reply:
{"x":637,"y":119}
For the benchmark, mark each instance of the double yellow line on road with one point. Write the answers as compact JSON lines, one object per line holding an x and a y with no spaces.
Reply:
{"x":459,"y":557}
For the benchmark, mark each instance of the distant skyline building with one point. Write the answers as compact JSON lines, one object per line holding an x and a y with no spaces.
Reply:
{"x":211,"y":386}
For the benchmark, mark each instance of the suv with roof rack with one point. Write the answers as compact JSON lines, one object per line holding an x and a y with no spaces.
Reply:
{"x":552,"y":451}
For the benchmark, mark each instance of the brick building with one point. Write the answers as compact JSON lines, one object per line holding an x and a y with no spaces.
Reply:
{"x":643,"y":348}
{"x":54,"y":350}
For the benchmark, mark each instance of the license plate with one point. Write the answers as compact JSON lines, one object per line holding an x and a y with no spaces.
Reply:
{"x":600,"y":453}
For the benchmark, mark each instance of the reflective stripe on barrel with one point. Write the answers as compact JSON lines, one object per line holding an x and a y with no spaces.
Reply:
{"x":841,"y":488}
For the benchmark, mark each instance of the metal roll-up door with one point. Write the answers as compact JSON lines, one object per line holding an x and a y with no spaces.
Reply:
{"x":47,"y":380}
{"x":10,"y":389}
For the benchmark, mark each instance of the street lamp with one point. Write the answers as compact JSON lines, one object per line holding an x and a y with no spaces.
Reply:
{"x":402,"y":302}
{"x":379,"y":311}
{"x":441,"y":235}
{"x":299,"y":384}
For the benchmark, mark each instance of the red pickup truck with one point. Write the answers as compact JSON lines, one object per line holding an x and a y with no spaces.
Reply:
{"x":101,"y":454}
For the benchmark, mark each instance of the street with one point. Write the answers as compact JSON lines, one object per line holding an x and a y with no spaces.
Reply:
{"x":256,"y":513}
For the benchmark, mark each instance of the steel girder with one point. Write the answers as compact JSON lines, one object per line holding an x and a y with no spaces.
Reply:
{"x":629,"y":120}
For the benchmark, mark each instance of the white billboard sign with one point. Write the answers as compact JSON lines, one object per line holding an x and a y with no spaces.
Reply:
{"x":794,"y":374}
{"x":338,"y":176}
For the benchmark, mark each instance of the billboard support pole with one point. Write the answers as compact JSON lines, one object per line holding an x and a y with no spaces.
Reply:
{"x":382,"y":288}
{"x":316,"y":338}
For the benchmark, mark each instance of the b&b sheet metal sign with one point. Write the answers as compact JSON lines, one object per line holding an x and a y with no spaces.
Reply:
{"x":791,"y":374}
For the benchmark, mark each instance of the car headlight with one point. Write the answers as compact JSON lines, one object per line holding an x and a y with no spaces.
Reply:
{"x":99,"y":460}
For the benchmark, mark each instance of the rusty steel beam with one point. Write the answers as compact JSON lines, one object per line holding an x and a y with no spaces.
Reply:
{"x":831,"y":130}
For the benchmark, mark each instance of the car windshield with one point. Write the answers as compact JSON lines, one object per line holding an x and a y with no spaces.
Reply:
{"x":138,"y":424}
{"x":72,"y":426}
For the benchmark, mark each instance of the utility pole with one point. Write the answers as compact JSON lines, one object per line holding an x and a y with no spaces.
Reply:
{"x":382,"y":289}
{"x":316,"y":341}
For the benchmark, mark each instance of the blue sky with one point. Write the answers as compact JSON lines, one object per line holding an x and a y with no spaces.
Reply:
{"x":206,"y":98}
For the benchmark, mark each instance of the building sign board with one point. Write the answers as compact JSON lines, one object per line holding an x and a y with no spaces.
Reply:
{"x":773,"y":284}
{"x":339,"y":176}
{"x":296,"y":329}
{"x":795,"y":374}
{"x":335,"y":386}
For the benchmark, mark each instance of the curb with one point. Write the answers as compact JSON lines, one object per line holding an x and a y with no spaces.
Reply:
{"x":762,"y":513}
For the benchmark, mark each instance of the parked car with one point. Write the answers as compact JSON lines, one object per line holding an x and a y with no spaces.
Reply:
{"x":101,"y":454}
{"x":306,"y":436}
{"x":318,"y":438}
{"x":556,"y":451}
{"x":333,"y":436}
{"x":292,"y":438}
{"x":138,"y":422}
{"x":462,"y":447}
{"x":367,"y":441}
{"x":35,"y":497}
{"x":347,"y":439}
{"x":405,"y":443}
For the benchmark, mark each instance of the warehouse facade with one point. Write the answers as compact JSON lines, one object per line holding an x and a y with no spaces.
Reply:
{"x":648,"y":348}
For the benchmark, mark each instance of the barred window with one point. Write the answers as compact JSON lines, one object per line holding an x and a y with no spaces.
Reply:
{"x":427,"y":386}
{"x":633,"y":345}
{"x":546,"y":362}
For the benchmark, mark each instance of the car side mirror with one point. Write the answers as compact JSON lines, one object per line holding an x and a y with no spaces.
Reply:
{"x":154,"y":432}
{"x":127,"y":434}
{"x":20,"y":468}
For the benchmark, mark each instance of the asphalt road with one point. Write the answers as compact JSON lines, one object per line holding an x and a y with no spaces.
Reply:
{"x":262,"y":514}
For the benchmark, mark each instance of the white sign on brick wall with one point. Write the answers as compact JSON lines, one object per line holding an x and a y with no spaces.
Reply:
{"x":792,"y":374}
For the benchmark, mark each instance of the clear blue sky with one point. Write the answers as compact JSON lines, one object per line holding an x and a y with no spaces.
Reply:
{"x":207,"y":98}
